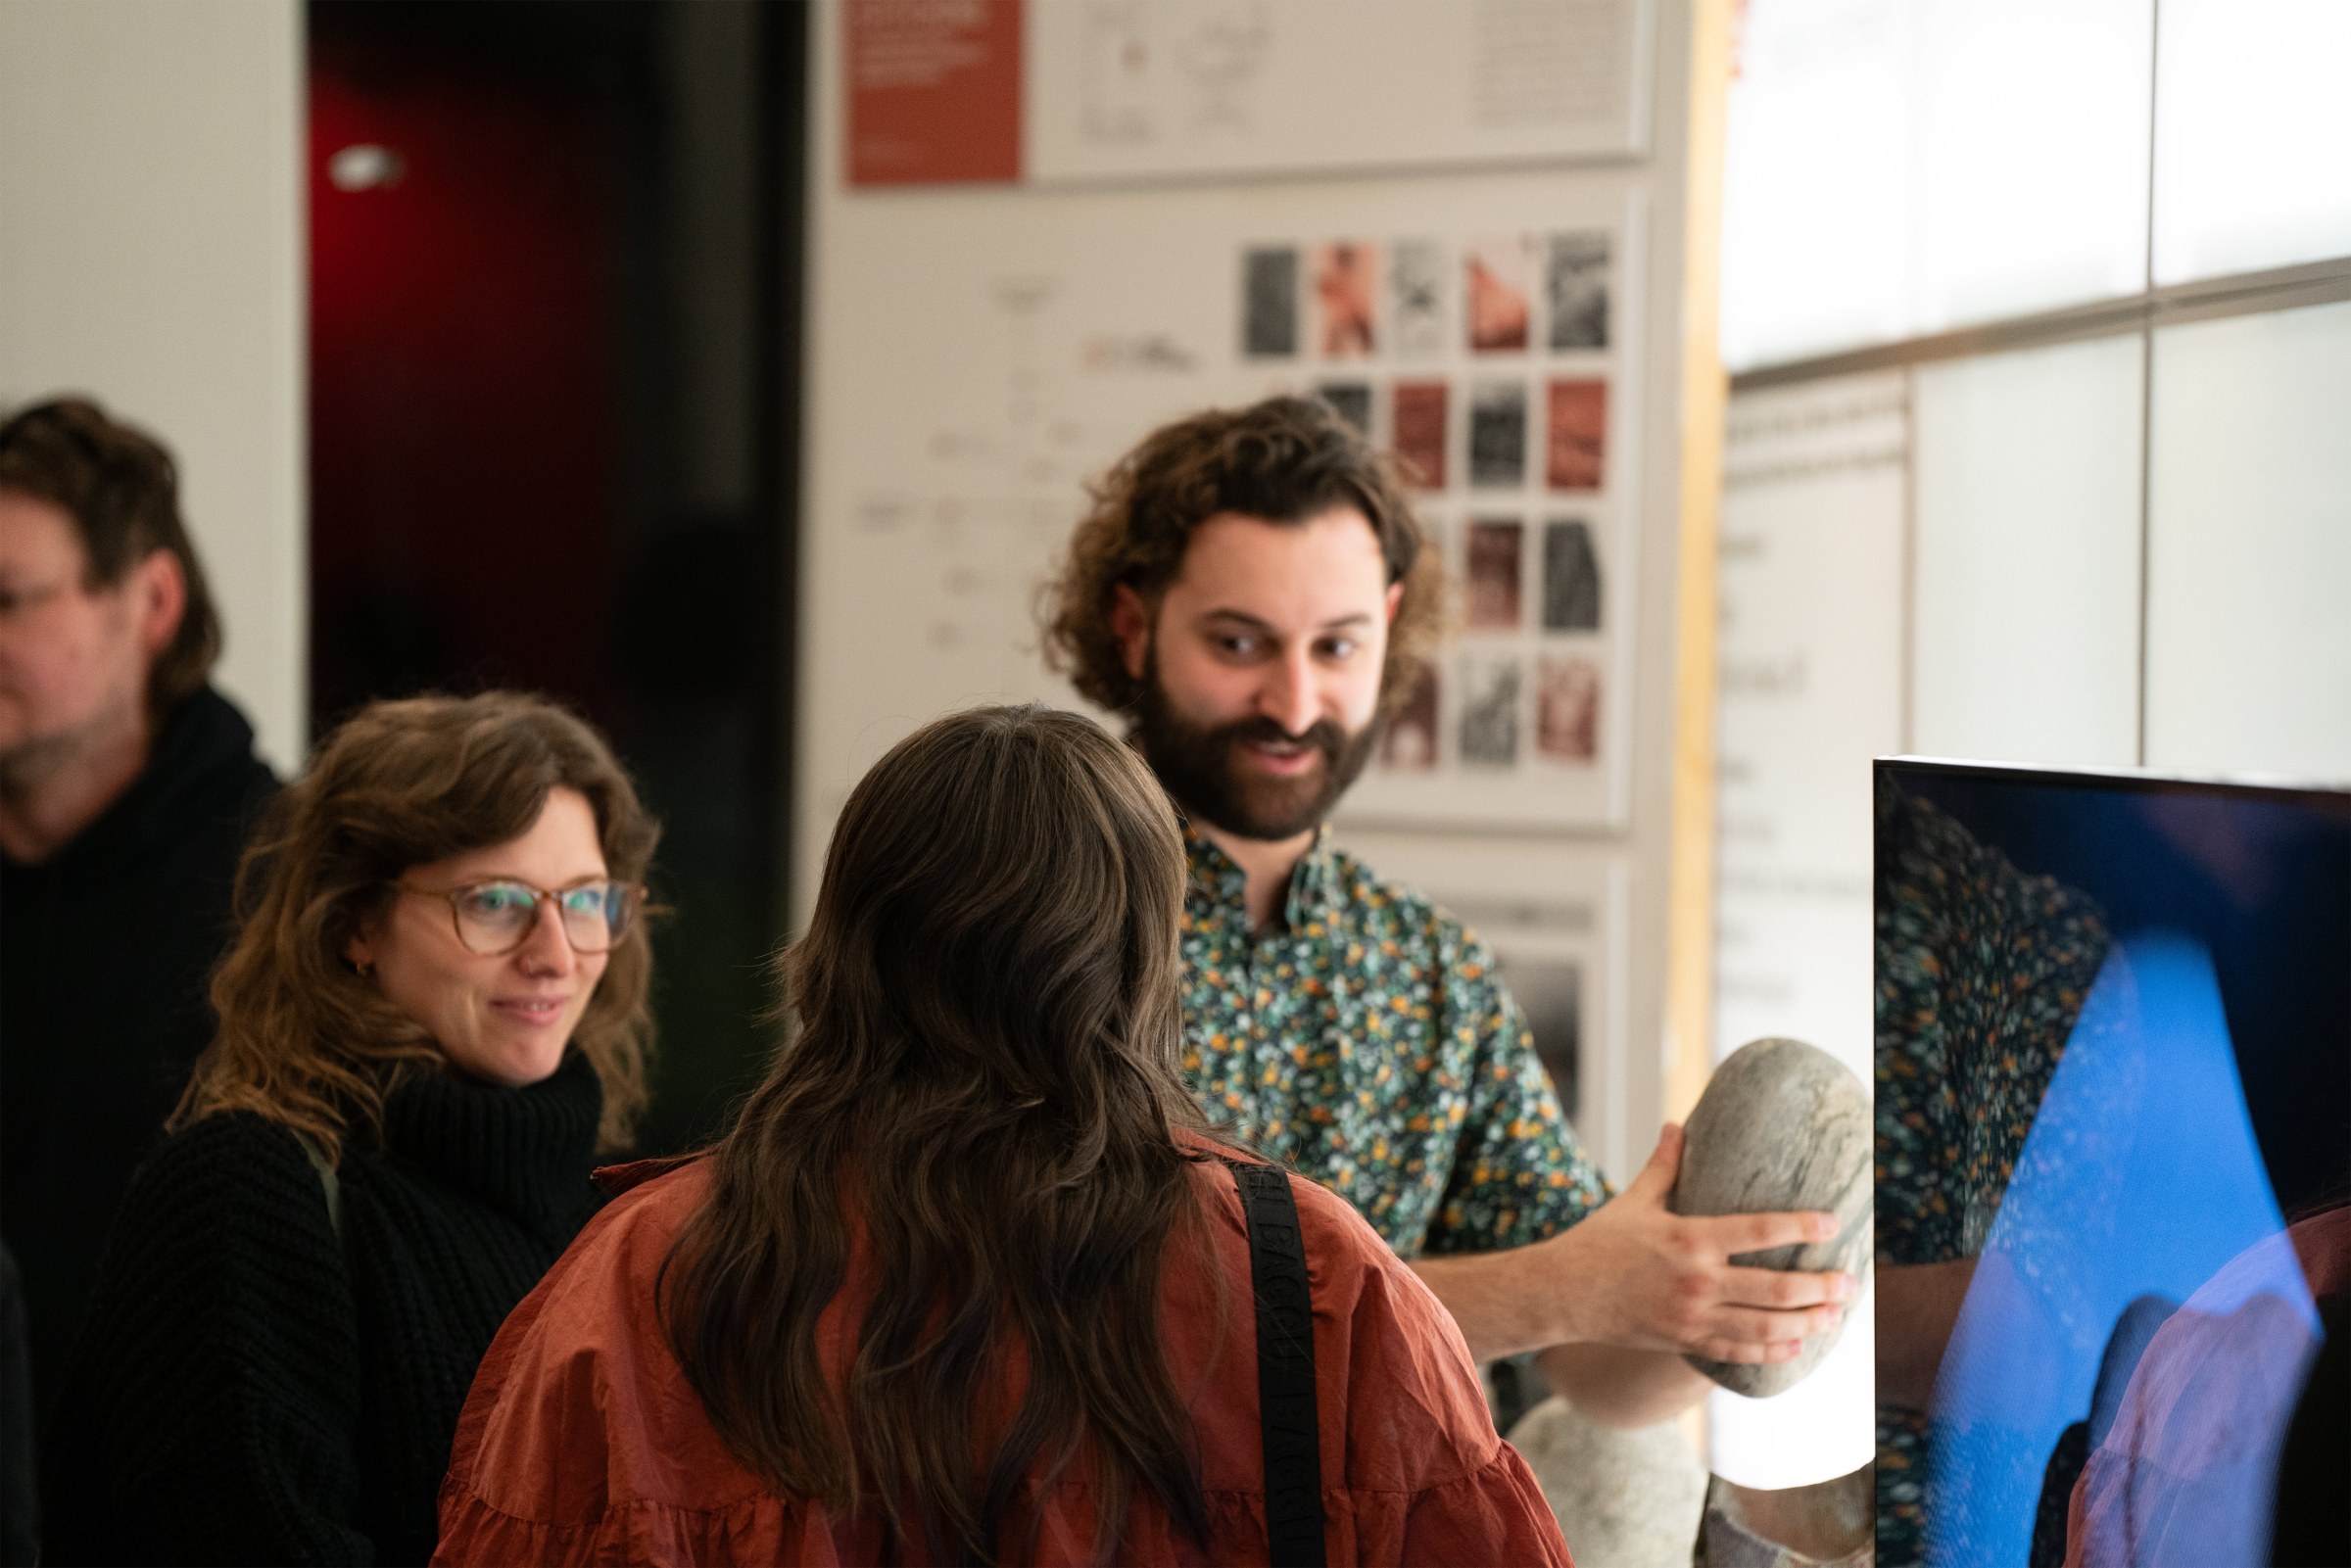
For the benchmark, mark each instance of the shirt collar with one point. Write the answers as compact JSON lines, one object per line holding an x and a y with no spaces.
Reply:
{"x":1224,"y":886}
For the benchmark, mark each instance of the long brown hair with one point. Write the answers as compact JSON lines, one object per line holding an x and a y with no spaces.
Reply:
{"x":1284,"y":459}
{"x":983,"y":1070}
{"x":303,"y":1039}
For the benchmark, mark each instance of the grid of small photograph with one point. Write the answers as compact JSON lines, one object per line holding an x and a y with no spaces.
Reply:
{"x":1486,"y":363}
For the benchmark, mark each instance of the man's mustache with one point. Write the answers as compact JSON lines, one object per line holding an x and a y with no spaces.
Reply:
{"x":1322,"y":735}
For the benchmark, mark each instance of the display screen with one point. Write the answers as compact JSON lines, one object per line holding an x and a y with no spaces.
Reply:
{"x":2113,"y":1065}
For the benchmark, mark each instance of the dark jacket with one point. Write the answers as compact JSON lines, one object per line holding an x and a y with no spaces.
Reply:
{"x":256,"y":1387}
{"x":105,"y":951}
{"x":20,"y":1543}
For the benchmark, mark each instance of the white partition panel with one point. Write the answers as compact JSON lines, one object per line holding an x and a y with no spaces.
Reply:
{"x":2249,"y":547}
{"x":2031,"y":178}
{"x":1816,"y":202}
{"x":2252,"y":136}
{"x":1904,"y":167}
{"x":2026,"y":623}
{"x":1811,"y":688}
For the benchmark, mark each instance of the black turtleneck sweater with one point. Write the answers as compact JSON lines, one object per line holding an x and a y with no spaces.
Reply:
{"x":105,"y":951}
{"x":250,"y":1388}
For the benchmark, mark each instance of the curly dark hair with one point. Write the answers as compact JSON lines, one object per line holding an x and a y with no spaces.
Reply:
{"x":121,"y":489}
{"x":1285,"y":459}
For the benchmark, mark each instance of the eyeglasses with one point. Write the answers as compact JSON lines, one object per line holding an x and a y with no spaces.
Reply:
{"x":494,"y":918}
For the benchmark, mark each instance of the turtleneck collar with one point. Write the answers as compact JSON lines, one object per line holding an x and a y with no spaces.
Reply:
{"x":527,"y":1151}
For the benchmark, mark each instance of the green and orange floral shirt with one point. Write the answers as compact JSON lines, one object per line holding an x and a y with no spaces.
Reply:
{"x":1366,"y":1040}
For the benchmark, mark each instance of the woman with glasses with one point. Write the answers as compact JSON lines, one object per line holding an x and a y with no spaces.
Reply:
{"x":432,"y":1018}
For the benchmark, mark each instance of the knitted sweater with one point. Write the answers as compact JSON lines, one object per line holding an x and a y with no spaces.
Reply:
{"x":251,"y":1389}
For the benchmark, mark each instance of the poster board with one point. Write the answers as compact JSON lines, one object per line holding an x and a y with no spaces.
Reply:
{"x":1094,"y":91}
{"x":983,"y":358}
{"x":1125,"y":89}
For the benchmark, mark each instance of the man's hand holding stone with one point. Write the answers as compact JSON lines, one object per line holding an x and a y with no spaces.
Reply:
{"x":1637,"y":1274}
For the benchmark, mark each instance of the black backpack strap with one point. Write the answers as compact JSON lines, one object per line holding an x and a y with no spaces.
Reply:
{"x":1286,"y":1367}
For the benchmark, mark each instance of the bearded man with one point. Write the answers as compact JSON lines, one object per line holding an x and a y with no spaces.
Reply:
{"x":1253,"y":590}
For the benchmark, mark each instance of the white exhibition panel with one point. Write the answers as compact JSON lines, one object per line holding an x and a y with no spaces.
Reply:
{"x":2030,"y":184}
{"x":2027,"y":494}
{"x":160,"y":268}
{"x":1151,"y":88}
{"x":1811,"y":689}
{"x":978,"y":356}
{"x":1902,"y":167}
{"x":1815,"y":200}
{"x":1812,"y":561}
{"x":2252,"y":122}
{"x":2249,"y":547}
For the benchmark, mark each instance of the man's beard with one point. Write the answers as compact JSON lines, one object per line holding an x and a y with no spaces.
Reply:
{"x":1201,"y":766}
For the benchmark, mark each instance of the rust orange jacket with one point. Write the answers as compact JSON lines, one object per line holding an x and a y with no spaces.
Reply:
{"x":583,"y":1443}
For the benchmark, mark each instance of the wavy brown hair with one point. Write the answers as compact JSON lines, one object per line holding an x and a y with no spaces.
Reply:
{"x":307,"y":1041}
{"x":1286,"y":461}
{"x":980,"y":1085}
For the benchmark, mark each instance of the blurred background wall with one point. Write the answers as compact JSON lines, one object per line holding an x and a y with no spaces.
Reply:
{"x":550,"y":382}
{"x":152,"y":255}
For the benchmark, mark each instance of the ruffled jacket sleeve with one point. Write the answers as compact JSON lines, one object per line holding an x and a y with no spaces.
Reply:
{"x":1419,"y":1475}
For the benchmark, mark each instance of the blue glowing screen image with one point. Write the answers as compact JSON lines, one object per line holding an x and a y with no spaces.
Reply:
{"x":2113,"y":1164}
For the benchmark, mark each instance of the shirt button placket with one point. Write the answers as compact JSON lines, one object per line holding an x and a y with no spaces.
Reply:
{"x":1268,"y":1063}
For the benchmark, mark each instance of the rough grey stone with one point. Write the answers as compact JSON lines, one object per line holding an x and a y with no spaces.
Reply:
{"x":1829,"y":1524}
{"x":1782,"y":1125}
{"x":1624,"y":1499}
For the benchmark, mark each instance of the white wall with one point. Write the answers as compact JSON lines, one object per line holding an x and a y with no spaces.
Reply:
{"x":152,"y":256}
{"x":2025,"y":498}
{"x":2249,"y":547}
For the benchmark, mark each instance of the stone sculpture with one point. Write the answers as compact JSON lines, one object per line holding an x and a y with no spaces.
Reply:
{"x":1782,"y":1125}
{"x":1624,"y":1499}
{"x":1829,"y":1524}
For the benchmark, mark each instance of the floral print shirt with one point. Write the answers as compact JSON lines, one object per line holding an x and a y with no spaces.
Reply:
{"x":1982,"y":970}
{"x":1366,"y":1040}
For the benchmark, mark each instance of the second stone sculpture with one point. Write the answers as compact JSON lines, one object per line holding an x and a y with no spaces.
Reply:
{"x":1782,"y":1125}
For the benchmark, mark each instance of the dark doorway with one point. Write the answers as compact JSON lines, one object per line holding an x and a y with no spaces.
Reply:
{"x":554,"y":252}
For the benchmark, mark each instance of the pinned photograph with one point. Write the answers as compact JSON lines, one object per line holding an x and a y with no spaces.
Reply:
{"x":1500,"y":274}
{"x":1568,"y":708}
{"x":1409,"y":741}
{"x":1575,"y":290}
{"x":1347,"y":297}
{"x":1498,"y":434}
{"x":1351,"y":400}
{"x":1417,"y":274}
{"x":1493,"y":598}
{"x":1550,"y":993}
{"x":1270,"y":301}
{"x":1576,"y":434}
{"x":1490,"y":712}
{"x":1570,"y":577}
{"x":1417,"y":408}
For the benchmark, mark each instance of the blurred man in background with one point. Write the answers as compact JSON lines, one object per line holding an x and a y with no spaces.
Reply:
{"x":127,"y":788}
{"x":1252,"y":587}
